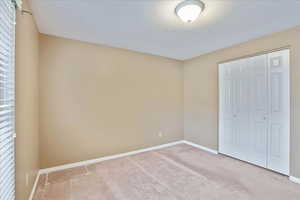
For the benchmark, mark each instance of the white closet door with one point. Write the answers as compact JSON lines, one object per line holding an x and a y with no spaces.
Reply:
{"x":279,"y":118}
{"x":258,"y":110}
{"x":254,"y":116}
{"x":227,"y":131}
{"x":240,"y":108}
{"x":232,"y":120}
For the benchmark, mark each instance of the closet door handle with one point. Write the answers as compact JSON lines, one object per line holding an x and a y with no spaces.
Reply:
{"x":265,"y":117}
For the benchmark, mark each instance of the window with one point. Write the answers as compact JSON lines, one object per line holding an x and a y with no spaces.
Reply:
{"x":7,"y":100}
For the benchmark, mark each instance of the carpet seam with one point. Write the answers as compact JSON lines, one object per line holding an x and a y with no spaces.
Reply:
{"x":181,"y":166}
{"x":154,"y":178}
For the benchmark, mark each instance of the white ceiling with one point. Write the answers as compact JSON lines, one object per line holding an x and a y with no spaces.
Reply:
{"x":151,"y":26}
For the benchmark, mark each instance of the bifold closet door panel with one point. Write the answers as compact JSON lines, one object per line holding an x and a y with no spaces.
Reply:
{"x":226,"y":119}
{"x":228,"y":138}
{"x":279,"y":118}
{"x":258,"y":110}
{"x":240,"y":108}
{"x":233,"y":115}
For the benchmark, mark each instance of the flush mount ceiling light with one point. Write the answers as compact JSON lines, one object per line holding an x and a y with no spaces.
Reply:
{"x":189,"y":10}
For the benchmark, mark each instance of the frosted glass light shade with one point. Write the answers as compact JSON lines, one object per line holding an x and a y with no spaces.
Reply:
{"x":189,"y":10}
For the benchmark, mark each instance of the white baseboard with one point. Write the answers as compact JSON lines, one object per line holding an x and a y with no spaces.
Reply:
{"x":294,"y":179}
{"x":88,"y":162}
{"x":201,"y":147}
{"x":34,"y":186}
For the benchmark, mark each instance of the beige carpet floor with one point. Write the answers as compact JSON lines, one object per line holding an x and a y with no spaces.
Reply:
{"x":180,"y":172}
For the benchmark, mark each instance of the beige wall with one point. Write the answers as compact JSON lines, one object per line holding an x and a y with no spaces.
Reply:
{"x":97,"y":101}
{"x":201,"y":90}
{"x":27,"y":152}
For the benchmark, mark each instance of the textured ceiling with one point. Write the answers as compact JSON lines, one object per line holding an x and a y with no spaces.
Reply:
{"x":151,"y":26}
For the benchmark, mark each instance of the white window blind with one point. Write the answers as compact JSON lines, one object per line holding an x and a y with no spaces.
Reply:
{"x":7,"y":100}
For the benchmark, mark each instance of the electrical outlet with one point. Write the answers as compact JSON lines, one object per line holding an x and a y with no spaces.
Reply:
{"x":160,"y":134}
{"x":27,"y":179}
